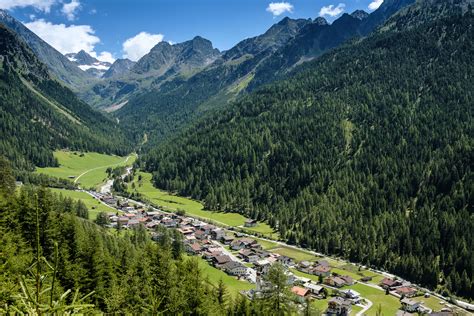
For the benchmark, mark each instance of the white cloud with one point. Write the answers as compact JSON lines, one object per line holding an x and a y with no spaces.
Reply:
{"x":278,"y":8}
{"x":70,"y":9}
{"x":43,"y":5}
{"x":374,"y":5}
{"x":332,"y":10}
{"x":104,"y":56}
{"x":66,"y":39}
{"x":136,"y":47}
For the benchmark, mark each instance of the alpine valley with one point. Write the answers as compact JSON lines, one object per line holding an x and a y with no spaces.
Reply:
{"x":320,"y":168}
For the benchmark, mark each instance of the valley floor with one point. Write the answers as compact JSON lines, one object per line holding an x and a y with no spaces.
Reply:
{"x":83,"y":167}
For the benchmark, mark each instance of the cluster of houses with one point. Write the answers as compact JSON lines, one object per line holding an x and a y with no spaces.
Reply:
{"x":243,"y":257}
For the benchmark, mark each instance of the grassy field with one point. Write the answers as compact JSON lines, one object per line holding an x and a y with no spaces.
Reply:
{"x":94,"y":206}
{"x":297,"y":255}
{"x":214,"y":275}
{"x":194,"y":208}
{"x":88,"y":169}
{"x":263,"y":229}
{"x":390,"y":304}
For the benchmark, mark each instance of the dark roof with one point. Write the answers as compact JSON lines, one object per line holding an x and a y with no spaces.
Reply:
{"x":222,"y":259}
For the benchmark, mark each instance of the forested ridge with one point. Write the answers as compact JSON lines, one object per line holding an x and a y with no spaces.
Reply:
{"x":39,"y":115}
{"x":365,"y":154}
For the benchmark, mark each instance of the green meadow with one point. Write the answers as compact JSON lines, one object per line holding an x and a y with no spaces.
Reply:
{"x":194,"y":208}
{"x":94,"y":206}
{"x":87,"y":169}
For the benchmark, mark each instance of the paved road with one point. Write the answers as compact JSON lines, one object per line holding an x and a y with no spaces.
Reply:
{"x":366,"y":308}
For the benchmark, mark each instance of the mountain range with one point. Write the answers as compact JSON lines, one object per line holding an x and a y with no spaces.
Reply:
{"x":89,"y":64}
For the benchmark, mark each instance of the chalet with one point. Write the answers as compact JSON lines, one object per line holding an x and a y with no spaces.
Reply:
{"x":242,"y":243}
{"x":284,"y":260}
{"x":339,"y":306}
{"x":388,"y":283}
{"x":227,"y":239}
{"x":168,"y":222}
{"x":304,"y":266}
{"x":250,"y":223}
{"x":406,"y":291}
{"x":151,"y":225}
{"x":314,"y":288}
{"x":321,"y":270}
{"x":409,"y":305}
{"x":207,"y":228}
{"x":349,"y":280}
{"x":234,"y":268}
{"x":262,"y":266}
{"x":322,"y":263}
{"x":354,"y":296}
{"x":221,"y":260}
{"x":217,"y":233}
{"x":366,"y":279}
{"x":301,"y":293}
{"x":200,"y":235}
{"x":211,"y":254}
{"x":193,"y":248}
{"x":334,"y":281}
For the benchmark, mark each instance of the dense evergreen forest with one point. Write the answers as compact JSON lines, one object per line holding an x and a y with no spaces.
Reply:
{"x":365,"y":154}
{"x":54,"y":261}
{"x":39,"y":115}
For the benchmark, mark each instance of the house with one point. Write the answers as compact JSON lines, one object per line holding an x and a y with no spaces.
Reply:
{"x":388,"y":283}
{"x":200,"y":235}
{"x":406,"y":291}
{"x":217,"y":233}
{"x":366,"y":279}
{"x":321,"y":270}
{"x":207,"y":228}
{"x":339,"y":306}
{"x":242,"y":243}
{"x":334,"y":281}
{"x":193,"y":248}
{"x":284,"y":260}
{"x":349,"y":280}
{"x":352,"y":295}
{"x":324,"y":263}
{"x":304,"y":266}
{"x":210,"y":255}
{"x":221,"y":260}
{"x":168,"y":222}
{"x":410,"y":305}
{"x":301,"y":293}
{"x":234,"y":268}
{"x":227,"y":239}
{"x":262,"y":266}
{"x":250,"y":223}
{"x":314,"y":288}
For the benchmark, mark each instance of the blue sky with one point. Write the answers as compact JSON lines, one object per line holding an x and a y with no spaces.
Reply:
{"x":129,"y":28}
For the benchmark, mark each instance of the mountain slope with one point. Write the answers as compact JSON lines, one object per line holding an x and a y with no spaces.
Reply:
{"x":39,"y":115}
{"x":61,"y":67}
{"x":119,"y":68}
{"x":89,"y":64}
{"x":367,"y":153}
{"x":166,"y":110}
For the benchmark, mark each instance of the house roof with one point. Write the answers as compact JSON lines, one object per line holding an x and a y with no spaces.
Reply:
{"x":232,"y":265}
{"x":314,"y":287}
{"x":388,"y":282}
{"x":321,"y":268}
{"x":300,"y":291}
{"x":222,"y":259}
{"x":405,"y":290}
{"x":196,"y":246}
{"x":409,"y":302}
{"x":340,"y":301}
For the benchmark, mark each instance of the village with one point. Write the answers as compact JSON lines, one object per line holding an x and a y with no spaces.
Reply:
{"x":243,"y":257}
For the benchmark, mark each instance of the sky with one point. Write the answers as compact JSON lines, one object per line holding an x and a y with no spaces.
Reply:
{"x":111,"y":29}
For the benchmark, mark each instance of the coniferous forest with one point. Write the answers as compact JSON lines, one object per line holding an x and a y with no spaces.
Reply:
{"x":365,"y":154}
